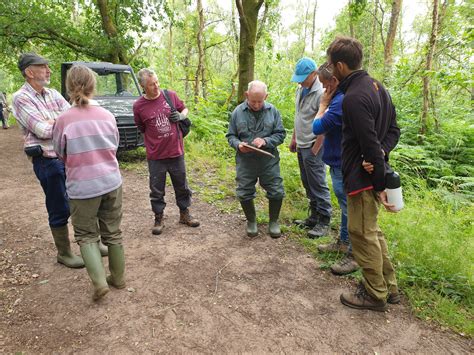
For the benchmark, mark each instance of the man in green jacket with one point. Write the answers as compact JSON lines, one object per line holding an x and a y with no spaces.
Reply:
{"x":258,"y":123}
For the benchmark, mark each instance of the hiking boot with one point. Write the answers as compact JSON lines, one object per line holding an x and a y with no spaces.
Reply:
{"x":362,"y":300}
{"x":393,"y":298}
{"x":186,"y":218}
{"x":345,"y":266}
{"x":334,"y":247}
{"x":159,"y":225}
{"x":309,"y":222}
{"x":321,"y":229}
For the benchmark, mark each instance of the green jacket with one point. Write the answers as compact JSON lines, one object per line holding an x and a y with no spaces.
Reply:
{"x":244,"y":127}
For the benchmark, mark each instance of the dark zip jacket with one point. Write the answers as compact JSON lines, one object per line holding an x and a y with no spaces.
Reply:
{"x":369,"y":131}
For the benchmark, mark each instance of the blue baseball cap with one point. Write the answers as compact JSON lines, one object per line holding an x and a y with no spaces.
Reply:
{"x":304,"y":67}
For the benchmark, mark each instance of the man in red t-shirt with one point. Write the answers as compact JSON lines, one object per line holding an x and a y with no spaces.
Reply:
{"x":164,"y":147}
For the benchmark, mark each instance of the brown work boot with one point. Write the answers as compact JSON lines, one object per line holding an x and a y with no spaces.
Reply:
{"x":345,"y":266}
{"x":393,"y":297}
{"x":158,"y":227}
{"x":186,"y":218}
{"x":362,"y":300}
{"x":334,"y":247}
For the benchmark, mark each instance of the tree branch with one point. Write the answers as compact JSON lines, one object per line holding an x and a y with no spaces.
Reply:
{"x":262,"y":23}
{"x":216,"y":43}
{"x":243,"y":19}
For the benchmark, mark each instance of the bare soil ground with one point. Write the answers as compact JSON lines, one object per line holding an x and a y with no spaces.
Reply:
{"x":205,"y":290}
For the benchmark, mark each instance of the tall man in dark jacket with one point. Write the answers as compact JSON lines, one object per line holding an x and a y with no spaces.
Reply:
{"x":369,"y":133}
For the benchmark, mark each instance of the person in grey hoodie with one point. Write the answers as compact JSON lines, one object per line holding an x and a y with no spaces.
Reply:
{"x":309,"y":150}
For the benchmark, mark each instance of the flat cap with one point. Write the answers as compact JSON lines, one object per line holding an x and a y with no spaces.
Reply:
{"x":30,"y":58}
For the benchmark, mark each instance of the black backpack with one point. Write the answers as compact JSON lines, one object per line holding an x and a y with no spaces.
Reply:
{"x":184,"y":125}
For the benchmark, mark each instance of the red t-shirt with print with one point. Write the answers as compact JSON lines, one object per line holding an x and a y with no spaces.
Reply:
{"x":163,"y":138}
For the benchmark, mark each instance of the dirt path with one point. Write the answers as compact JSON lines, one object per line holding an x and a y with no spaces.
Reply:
{"x":190,"y":290}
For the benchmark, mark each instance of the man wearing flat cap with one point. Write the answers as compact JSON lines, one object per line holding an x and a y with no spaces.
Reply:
{"x":36,"y":108}
{"x":309,"y":150}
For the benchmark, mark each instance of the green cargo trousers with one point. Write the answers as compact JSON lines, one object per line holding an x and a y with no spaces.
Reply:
{"x":369,"y":246}
{"x":98,"y":217}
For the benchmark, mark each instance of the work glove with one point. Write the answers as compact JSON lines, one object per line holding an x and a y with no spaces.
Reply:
{"x":176,"y":116}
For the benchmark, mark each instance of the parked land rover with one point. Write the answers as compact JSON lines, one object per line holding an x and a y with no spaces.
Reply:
{"x":117,"y":90}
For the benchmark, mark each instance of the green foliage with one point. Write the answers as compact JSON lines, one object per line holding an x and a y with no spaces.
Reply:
{"x":432,"y":246}
{"x":75,"y":29}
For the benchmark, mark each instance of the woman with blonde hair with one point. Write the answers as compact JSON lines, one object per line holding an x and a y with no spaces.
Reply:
{"x":86,"y":138}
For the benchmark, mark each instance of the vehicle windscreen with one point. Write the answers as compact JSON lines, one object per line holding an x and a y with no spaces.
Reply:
{"x":116,"y":84}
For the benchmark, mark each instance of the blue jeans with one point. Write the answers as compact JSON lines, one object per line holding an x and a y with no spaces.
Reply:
{"x":313,"y":176}
{"x":338,"y":187}
{"x":52,"y":177}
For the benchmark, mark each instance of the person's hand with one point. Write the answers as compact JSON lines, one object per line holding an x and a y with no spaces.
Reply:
{"x":176,"y":116}
{"x":329,"y":93}
{"x":292,"y":146}
{"x":244,"y":149}
{"x":259,"y":142}
{"x":369,"y":167}
{"x":382,"y":195}
{"x":326,"y":97}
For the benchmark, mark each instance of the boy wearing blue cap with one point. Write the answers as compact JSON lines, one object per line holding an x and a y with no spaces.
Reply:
{"x":307,"y":145}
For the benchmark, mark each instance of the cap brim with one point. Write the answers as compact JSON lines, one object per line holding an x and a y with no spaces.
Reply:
{"x":299,"y":78}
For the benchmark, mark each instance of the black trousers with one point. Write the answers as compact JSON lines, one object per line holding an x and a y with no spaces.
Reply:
{"x":177,"y":170}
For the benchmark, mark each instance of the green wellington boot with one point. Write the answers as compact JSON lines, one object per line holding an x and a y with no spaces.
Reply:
{"x":91,"y":254}
{"x":65,"y":254}
{"x":104,"y":251}
{"x":249,"y":211}
{"x":116,"y":266}
{"x":274,"y":207}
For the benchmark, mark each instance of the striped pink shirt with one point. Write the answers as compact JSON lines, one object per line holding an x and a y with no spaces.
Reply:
{"x":87,"y":140}
{"x":32,"y":109}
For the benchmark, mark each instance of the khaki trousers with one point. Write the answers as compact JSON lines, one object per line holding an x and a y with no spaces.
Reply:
{"x":369,"y":246}
{"x":98,"y":217}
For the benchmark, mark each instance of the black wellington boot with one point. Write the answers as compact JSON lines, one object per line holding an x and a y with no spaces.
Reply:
{"x":274,"y":207}
{"x":249,"y":211}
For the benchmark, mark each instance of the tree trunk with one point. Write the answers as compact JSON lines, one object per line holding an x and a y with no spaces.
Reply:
{"x":313,"y":30}
{"x":373,"y":38}
{"x":116,"y":53}
{"x":187,"y":64}
{"x":199,"y":78}
{"x":248,"y":18}
{"x":170,"y":54}
{"x":170,"y":49}
{"x":428,"y":67}
{"x":305,"y":28}
{"x":392,"y":31}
